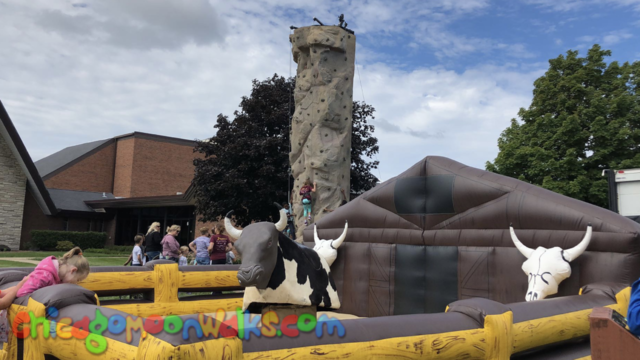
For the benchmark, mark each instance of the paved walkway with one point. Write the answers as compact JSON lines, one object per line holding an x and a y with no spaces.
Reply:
{"x":22,"y":260}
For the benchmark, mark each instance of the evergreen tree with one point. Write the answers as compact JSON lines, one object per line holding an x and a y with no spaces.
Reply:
{"x":584,"y":118}
{"x":246,"y":163}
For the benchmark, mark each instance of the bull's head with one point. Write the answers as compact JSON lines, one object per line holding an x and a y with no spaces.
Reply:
{"x":546,"y":268}
{"x":328,"y":249}
{"x":258,"y":246}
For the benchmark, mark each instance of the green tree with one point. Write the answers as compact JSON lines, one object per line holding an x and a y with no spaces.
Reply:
{"x":584,"y":118}
{"x":245,"y":167}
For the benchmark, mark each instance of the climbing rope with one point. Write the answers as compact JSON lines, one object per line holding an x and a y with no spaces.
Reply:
{"x":290,"y":120}
{"x":363,"y":99}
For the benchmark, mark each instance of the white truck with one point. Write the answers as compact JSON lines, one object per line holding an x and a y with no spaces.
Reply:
{"x":624,"y":192}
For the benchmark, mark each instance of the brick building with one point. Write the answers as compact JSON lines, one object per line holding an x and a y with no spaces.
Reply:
{"x":118,"y":186}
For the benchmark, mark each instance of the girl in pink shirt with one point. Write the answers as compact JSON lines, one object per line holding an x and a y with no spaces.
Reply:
{"x":71,"y":269}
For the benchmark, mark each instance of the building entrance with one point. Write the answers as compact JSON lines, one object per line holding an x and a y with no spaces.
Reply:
{"x":134,"y":221}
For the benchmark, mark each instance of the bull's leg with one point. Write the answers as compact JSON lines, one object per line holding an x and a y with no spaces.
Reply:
{"x":318,"y":297}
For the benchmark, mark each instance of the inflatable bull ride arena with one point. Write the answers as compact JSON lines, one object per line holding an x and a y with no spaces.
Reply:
{"x":443,"y":261}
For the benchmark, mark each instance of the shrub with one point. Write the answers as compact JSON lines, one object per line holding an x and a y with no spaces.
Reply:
{"x":64,"y":245}
{"x":48,"y":239}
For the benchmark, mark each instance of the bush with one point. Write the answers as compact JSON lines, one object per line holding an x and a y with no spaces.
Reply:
{"x":48,"y":239}
{"x":64,"y":245}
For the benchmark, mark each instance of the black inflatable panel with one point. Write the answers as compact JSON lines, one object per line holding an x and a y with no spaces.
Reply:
{"x":424,"y":195}
{"x":441,"y":274}
{"x":426,"y":278}
{"x":410,"y":287}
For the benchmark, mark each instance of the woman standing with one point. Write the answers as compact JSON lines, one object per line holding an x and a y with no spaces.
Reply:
{"x":152,"y":240}
{"x":171,"y":246}
{"x":218,"y":246}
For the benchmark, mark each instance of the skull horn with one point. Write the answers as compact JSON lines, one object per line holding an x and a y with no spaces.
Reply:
{"x":232,"y":231}
{"x":523,"y":249}
{"x":577,"y":250}
{"x":316,"y":239}
{"x":337,"y":242}
{"x":282,"y":223}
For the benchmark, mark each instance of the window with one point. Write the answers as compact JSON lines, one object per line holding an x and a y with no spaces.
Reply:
{"x":65,"y":224}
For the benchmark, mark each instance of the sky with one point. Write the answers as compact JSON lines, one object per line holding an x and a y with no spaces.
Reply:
{"x":445,"y":76}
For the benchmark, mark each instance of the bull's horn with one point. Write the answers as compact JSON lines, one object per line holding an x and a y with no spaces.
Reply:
{"x":337,"y":242}
{"x":232,"y":231}
{"x":316,"y":239}
{"x":577,"y":250}
{"x":523,"y":249}
{"x":282,"y":223}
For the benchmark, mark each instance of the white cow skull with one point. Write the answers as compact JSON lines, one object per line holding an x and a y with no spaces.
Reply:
{"x":328,"y":249}
{"x":546,"y":268}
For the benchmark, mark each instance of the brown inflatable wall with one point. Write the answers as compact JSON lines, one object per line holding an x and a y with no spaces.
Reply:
{"x":439,"y":232}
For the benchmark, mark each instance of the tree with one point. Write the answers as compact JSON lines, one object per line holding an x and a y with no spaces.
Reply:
{"x":584,"y":118}
{"x":245,"y":166}
{"x":362,"y":144}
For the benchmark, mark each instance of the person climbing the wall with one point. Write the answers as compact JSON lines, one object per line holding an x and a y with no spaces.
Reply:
{"x":305,"y":192}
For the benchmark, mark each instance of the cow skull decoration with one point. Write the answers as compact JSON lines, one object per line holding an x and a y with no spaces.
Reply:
{"x":328,"y":249}
{"x":547,"y":268}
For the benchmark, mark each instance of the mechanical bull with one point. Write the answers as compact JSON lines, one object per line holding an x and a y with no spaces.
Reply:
{"x":278,"y":270}
{"x":547,"y":268}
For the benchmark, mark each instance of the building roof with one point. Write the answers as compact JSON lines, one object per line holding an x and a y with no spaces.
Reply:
{"x":34,"y":181}
{"x":71,"y":154}
{"x":61,"y":160}
{"x":72,"y":200}
{"x":134,"y":202}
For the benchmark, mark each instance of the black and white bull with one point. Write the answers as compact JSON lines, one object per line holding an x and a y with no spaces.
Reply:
{"x":278,"y":270}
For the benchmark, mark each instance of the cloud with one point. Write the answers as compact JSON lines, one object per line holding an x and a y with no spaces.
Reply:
{"x":615,"y":37}
{"x":559,"y":42}
{"x":447,"y":44}
{"x":608,"y":39}
{"x":140,"y":24}
{"x":84,"y":73}
{"x":435,"y":111}
{"x":571,"y":5}
{"x":388,"y":127}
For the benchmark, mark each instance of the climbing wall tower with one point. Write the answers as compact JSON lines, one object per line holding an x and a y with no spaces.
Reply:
{"x":321,"y":124}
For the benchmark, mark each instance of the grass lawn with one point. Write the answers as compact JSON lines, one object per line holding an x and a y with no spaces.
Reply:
{"x":8,"y":264}
{"x":39,"y":255}
{"x":100,"y":261}
{"x":93,"y":261}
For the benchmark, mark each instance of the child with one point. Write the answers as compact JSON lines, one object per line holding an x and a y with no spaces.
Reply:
{"x":9,"y":294}
{"x":199,"y":247}
{"x":71,"y":269}
{"x":6,"y":299}
{"x":137,"y":256}
{"x":305,"y":192}
{"x":184,"y":252}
